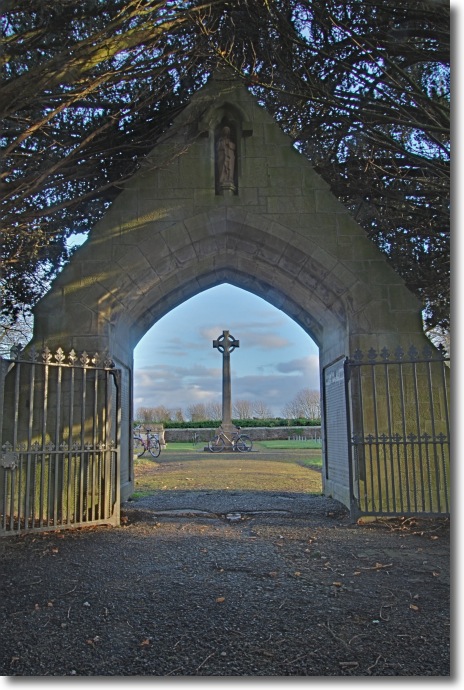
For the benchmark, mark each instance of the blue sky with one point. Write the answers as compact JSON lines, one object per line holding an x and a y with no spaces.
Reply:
{"x":177,"y":366}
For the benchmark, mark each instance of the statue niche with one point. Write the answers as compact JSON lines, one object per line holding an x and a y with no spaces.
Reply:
{"x":226,"y":158}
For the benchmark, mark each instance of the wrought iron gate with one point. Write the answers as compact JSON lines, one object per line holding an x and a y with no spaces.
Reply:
{"x":59,"y":444}
{"x":399,"y":432}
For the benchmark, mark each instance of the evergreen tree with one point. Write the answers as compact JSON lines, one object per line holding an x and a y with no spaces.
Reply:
{"x":361,"y":87}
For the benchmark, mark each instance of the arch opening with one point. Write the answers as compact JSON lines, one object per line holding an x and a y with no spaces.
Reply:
{"x":276,"y":358}
{"x":275,"y":371}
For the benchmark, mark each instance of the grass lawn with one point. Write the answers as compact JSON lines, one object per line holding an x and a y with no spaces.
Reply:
{"x":189,"y":447}
{"x":291,"y":466}
{"x":288,"y":445}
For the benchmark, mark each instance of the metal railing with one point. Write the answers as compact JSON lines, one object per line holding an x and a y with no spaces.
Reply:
{"x":399,"y":431}
{"x":59,"y":446}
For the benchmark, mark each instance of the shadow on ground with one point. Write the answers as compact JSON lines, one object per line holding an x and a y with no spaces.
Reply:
{"x":216,"y":583}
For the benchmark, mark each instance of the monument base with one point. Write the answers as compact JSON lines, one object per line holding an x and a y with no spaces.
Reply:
{"x":229,"y":430}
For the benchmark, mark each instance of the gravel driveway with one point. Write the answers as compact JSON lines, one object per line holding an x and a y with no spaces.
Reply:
{"x":217,"y":583}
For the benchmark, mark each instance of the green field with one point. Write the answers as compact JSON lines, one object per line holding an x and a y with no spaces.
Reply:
{"x":290,"y":466}
{"x":288,"y":445}
{"x":188,"y":446}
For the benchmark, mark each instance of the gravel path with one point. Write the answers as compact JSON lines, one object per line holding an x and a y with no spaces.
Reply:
{"x":217,"y":583}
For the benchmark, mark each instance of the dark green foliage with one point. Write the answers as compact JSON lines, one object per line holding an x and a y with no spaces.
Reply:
{"x":243,"y":423}
{"x":89,"y":86}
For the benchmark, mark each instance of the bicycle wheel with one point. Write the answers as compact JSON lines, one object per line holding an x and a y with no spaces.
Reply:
{"x":139,"y":446}
{"x":154,"y":446}
{"x":243,"y":443}
{"x":217,"y":444}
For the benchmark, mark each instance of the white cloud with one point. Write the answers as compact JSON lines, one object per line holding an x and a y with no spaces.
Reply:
{"x":176,"y":387}
{"x":252,"y":334}
{"x":176,"y":365}
{"x":304,"y":365}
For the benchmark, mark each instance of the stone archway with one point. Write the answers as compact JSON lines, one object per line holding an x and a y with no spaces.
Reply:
{"x":276,"y":231}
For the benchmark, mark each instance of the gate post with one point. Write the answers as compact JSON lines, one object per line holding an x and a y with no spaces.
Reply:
{"x":336,"y":470}
{"x":351,"y":403}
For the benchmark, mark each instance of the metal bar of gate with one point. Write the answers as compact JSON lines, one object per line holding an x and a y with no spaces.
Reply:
{"x":445,"y":406}
{"x":72,"y":476}
{"x":57,"y":470}
{"x":375,"y":461}
{"x":115,"y":457}
{"x":44,"y":440}
{"x":390,"y":431}
{"x":432,"y":421}
{"x":418,"y":429}
{"x":352,"y":460}
{"x":30,"y":458}
{"x":96,"y":465}
{"x":403,"y":436}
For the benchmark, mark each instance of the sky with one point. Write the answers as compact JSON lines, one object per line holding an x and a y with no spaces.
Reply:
{"x":176,"y":365}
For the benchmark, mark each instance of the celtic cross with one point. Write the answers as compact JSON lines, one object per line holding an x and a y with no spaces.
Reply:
{"x":226,"y":344}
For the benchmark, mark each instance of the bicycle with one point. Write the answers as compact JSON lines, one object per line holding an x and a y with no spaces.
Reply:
{"x":239,"y":442}
{"x":151,"y":443}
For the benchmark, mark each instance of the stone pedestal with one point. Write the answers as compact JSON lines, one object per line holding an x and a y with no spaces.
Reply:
{"x":229,"y":429}
{"x":228,"y":189}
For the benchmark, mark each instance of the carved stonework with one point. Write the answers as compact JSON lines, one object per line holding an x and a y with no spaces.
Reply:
{"x":226,"y":160}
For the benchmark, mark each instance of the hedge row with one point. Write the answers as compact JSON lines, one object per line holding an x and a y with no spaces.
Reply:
{"x":213,"y":424}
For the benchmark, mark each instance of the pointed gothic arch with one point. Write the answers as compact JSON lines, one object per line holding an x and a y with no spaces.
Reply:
{"x":277,"y":232}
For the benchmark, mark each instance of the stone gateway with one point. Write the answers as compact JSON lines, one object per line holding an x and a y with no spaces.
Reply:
{"x":224,"y":197}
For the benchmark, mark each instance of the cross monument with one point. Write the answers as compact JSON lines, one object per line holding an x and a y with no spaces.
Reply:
{"x":226,"y":344}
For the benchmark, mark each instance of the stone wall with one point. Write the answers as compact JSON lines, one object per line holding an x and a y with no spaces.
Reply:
{"x":255,"y":433}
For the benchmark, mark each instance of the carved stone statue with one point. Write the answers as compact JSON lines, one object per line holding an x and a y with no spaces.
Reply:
{"x":225,"y":157}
